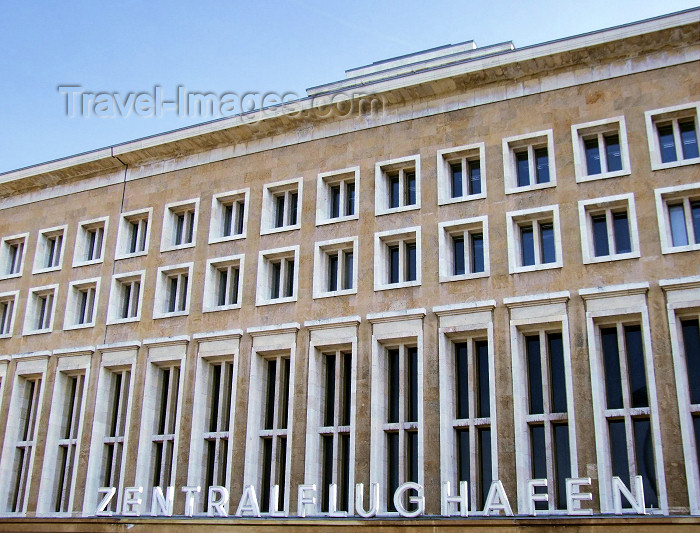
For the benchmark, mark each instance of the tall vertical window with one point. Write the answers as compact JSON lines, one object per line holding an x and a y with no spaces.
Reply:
{"x":229,"y":216}
{"x":8,"y":301}
{"x":281,"y":206}
{"x":397,"y":258}
{"x":12,"y":255}
{"x":608,"y":228}
{"x":337,"y":195}
{"x":90,"y":241}
{"x":163,"y":434}
{"x":277,"y":276}
{"x":125,"y":298}
{"x":113,"y":439}
{"x":82,"y":303}
{"x":690,"y":328}
{"x":173,"y":291}
{"x":600,"y":149}
{"x":223,"y":283}
{"x":41,"y":306}
{"x":529,"y":162}
{"x":397,"y":185}
{"x":49,"y":253}
{"x":335,"y":266}
{"x":179,"y":225}
{"x":464,"y":249}
{"x":673,"y":136}
{"x":133,"y":236}
{"x":534,"y":239}
{"x":273,"y":434}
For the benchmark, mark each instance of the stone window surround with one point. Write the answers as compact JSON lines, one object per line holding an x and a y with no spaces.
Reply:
{"x":125,"y":220}
{"x":269,"y":193}
{"x":320,"y":278}
{"x":264,"y":279}
{"x":381,"y":187}
{"x":170,"y":212}
{"x":323,"y":184}
{"x":218,"y":201}
{"x":41,"y":252}
{"x":510,"y":144}
{"x":14,"y":296}
{"x":31,"y":310}
{"x":662,"y":197}
{"x":210,"y":303}
{"x":163,"y":276}
{"x":4,"y":249}
{"x":72,"y":301}
{"x":402,"y":235}
{"x":470,"y":152}
{"x":607,"y":125}
{"x":691,"y":109}
{"x":478,"y":224}
{"x":513,"y":218}
{"x":115,"y":296}
{"x":82,"y":241}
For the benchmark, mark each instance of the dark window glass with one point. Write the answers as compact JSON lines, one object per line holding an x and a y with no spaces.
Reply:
{"x":462,"y":378}
{"x":410,"y":188}
{"x":393,"y":264}
{"x":549,"y":254}
{"x":190,"y":226}
{"x":347,"y":272}
{"x":601,"y":246}
{"x":329,"y":411}
{"x":344,"y":472}
{"x":484,"y":451}
{"x":350,"y":199}
{"x":266,"y":476}
{"x":522,"y":168}
{"x":592,"y":156}
{"x":394,"y":191}
{"x":293,"y":206}
{"x":240,"y":207}
{"x":458,"y":255}
{"x":696,"y":426}
{"x":284,"y":394}
{"x":223,"y":278}
{"x":689,"y":139}
{"x":676,"y":216}
{"x":335,"y":201}
{"x":412,"y":457}
{"x":411,"y":262}
{"x":412,"y":382}
{"x":347,"y":389}
{"x":333,"y":272}
{"x":477,"y":252}
{"x":173,"y":294}
{"x":289,"y":281}
{"x":666,"y":143}
{"x":270,"y":401}
{"x":481,"y":356}
{"x":179,"y":226}
{"x":279,"y":211}
{"x":134,"y":232}
{"x":527,"y":245}
{"x":474,"y":177}
{"x":534,"y":373}
{"x":563,"y":461}
{"x":612,"y":152}
{"x":611,"y":359}
{"x":456,"y":172}
{"x":463,"y":455}
{"x":235,"y":274}
{"x":618,"y":450}
{"x":691,"y":343}
{"x":282,"y":472}
{"x":645,"y":461}
{"x":392,"y":470}
{"x":695,"y":215}
{"x":539,"y":459}
{"x":621,"y":227}
{"x":393,"y":392}
{"x":542,"y":162}
{"x":327,"y":452}
{"x":557,"y":373}
{"x":228,"y":217}
{"x":635,"y":364}
{"x":275,"y":285}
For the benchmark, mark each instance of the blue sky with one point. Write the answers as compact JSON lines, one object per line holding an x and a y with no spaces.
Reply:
{"x":231,"y":46}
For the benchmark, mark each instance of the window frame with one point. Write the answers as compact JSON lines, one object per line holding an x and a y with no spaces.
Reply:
{"x":74,"y":290}
{"x":513,"y":219}
{"x":382,"y":241}
{"x":30,"y":312}
{"x":125,"y":219}
{"x":269,"y":210}
{"x":324,"y":182}
{"x":162,"y":293}
{"x":264,"y":276}
{"x":579,"y":132}
{"x":170,"y":212}
{"x":40,"y":254}
{"x":673,"y":113}
{"x":607,"y":204}
{"x":662,"y":196}
{"x":8,"y":241}
{"x":533,"y":140}
{"x":81,"y":246}
{"x":218,"y":202}
{"x":115,"y":297}
{"x":381,"y":187}
{"x":211,"y":283}
{"x":448,"y":156}
{"x":321,"y":255}
{"x":446,"y":231}
{"x":14,"y":297}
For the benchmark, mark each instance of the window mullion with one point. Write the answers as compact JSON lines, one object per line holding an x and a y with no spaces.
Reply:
{"x":602,"y":153}
{"x":531,"y":165}
{"x":609,"y":225}
{"x":473,"y":462}
{"x":677,"y":140}
{"x":622,"y":348}
{"x":537,"y":241}
{"x":402,"y":413}
{"x":688,"y":216}
{"x":465,"y":177}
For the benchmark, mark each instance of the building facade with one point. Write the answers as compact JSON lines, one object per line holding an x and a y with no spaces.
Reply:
{"x":465,"y":265}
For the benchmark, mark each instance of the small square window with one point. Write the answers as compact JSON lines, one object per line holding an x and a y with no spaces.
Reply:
{"x":464,"y":249}
{"x":179,"y":225}
{"x":335,"y":268}
{"x":678,"y":213}
{"x":600,"y":149}
{"x":82,"y":304}
{"x":528,"y":162}
{"x":397,"y":259}
{"x":281,"y":206}
{"x":229,"y":216}
{"x":534,"y":239}
{"x":223,"y":285}
{"x":41,"y":308}
{"x":673,"y":136}
{"x":608,"y":228}
{"x":397,"y":185}
{"x":461,"y":174}
{"x":125,"y":298}
{"x":173,"y":288}
{"x":337,"y":196}
{"x":134,"y":233}
{"x":278,"y":274}
{"x":49,"y":252}
{"x":90,"y":242}
{"x":12,"y":251}
{"x":8,"y":306}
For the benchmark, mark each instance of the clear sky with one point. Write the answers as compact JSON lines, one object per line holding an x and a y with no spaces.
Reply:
{"x":222,"y":46}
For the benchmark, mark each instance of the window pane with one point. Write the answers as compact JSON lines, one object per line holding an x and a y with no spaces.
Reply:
{"x":666,"y":143}
{"x":270,"y":398}
{"x":293,"y":206}
{"x":534,"y":373}
{"x":284,"y":393}
{"x":173,"y":294}
{"x":347,"y":389}
{"x":458,"y":255}
{"x":474,"y":177}
{"x":556,"y":368}
{"x":266,"y":476}
{"x":279,"y":211}
{"x":462,"y":380}
{"x":562,"y":456}
{"x":327,"y":476}
{"x":481,"y":357}
{"x":393,"y":385}
{"x":393,"y":264}
{"x":412,"y":385}
{"x":695,"y":214}
{"x":689,"y":139}
{"x":547,"y":237}
{"x":618,"y":450}
{"x":392,"y":469}
{"x":485,"y":467}
{"x":527,"y":245}
{"x":350,"y":199}
{"x":228,"y":219}
{"x":411,"y":262}
{"x":611,"y":357}
{"x":282,"y":471}
{"x":463,"y":455}
{"x":289,"y":281}
{"x":522,"y":168}
{"x":241,"y":214}
{"x":394,"y":191}
{"x":275,"y":285}
{"x":645,"y":461}
{"x":612,"y":153}
{"x":347,"y":271}
{"x":542,"y":162}
{"x":592,"y":156}
{"x":635,"y":364}
{"x":676,"y":216}
{"x":335,"y":201}
{"x":333,"y":272}
{"x":601,"y":246}
{"x":621,"y":227}
{"x":329,"y":408}
{"x":691,"y":343}
{"x":696,"y":426}
{"x":456,"y":173}
{"x":539,"y":452}
{"x":477,"y":252}
{"x":410,"y":188}
{"x":412,"y":459}
{"x":344,"y":472}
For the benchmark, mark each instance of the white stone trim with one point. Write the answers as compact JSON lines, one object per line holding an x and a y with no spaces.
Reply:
{"x":217,"y":335}
{"x":260,"y":331}
{"x":321,"y":260}
{"x":613,"y":291}
{"x":168,"y":232}
{"x":537,"y":139}
{"x":123,"y":236}
{"x":326,"y":323}
{"x":606,"y":205}
{"x":598,"y":128}
{"x":680,"y":193}
{"x":264,"y":277}
{"x":116,"y":296}
{"x":395,"y":316}
{"x":323,"y":198}
{"x":536,"y":299}
{"x":464,"y":227}
{"x":691,"y":109}
{"x":535,"y":215}
{"x":12,"y":296}
{"x":218,"y":201}
{"x":72,"y":303}
{"x":382,"y":240}
{"x":463,"y":308}
{"x":381,"y":188}
{"x":8,"y":241}
{"x":162,"y":293}
{"x":211,"y":282}
{"x":465,"y":153}
{"x":269,"y":193}
{"x":41,"y":253}
{"x":81,"y":246}
{"x":30,"y":315}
